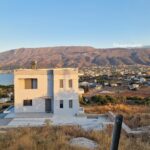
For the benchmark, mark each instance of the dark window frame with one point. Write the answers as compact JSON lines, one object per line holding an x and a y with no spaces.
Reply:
{"x":61,"y":104}
{"x":70,"y":103}
{"x":27,"y":102}
{"x":32,"y":83}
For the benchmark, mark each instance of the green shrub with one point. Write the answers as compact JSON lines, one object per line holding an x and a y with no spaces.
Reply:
{"x":102,"y":100}
{"x":147,"y":101}
{"x":134,"y":98}
{"x":139,"y":100}
{"x":111,"y":99}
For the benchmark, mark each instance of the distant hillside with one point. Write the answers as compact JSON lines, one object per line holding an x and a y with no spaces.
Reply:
{"x":75,"y":56}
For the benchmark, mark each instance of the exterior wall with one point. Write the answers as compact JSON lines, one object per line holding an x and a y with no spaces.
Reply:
{"x":65,"y":93}
{"x":66,"y":110}
{"x":38,"y":103}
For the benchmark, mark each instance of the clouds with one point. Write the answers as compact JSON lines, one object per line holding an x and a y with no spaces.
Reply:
{"x":125,"y":45}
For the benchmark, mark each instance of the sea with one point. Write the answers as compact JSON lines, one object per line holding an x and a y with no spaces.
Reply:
{"x":6,"y":79}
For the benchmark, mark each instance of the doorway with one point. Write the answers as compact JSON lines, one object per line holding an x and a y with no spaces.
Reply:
{"x":48,"y":105}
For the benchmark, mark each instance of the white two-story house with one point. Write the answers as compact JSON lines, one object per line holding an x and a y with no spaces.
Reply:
{"x":46,"y":90}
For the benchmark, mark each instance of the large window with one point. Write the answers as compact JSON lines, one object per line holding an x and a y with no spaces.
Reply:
{"x":70,"y":83}
{"x":61,"y":83}
{"x":31,"y":83}
{"x":61,"y":104}
{"x":70,"y":103}
{"x":27,"y":102}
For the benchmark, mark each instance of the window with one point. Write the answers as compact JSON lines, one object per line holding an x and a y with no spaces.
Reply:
{"x":34,"y":83}
{"x":27,"y":102}
{"x":61,"y":83}
{"x":30,"y":83}
{"x":70,"y":104}
{"x":70,"y":83}
{"x":61,"y":103}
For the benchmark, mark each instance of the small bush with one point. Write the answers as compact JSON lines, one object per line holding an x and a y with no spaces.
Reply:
{"x":99,"y":100}
{"x":147,"y":101}
{"x":134,"y":98}
{"x":111,"y":99}
{"x":139,"y":100}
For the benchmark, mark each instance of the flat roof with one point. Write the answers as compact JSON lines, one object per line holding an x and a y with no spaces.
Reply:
{"x":46,"y":69}
{"x":43,"y":71}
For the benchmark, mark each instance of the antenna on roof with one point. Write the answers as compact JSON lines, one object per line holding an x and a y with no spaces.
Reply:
{"x":34,"y":64}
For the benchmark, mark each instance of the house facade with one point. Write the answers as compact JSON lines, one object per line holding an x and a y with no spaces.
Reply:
{"x":46,"y":90}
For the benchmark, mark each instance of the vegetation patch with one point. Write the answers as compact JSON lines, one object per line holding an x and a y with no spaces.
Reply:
{"x":58,"y":138}
{"x":138,"y":100}
{"x":4,"y":90}
{"x":134,"y":115}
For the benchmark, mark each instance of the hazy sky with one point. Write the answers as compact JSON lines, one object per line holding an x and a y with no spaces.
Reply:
{"x":98,"y":23}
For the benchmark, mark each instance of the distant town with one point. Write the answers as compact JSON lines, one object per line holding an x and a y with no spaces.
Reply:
{"x":118,"y":77}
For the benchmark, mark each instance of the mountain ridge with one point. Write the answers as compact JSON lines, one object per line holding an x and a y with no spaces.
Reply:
{"x":74,"y":56}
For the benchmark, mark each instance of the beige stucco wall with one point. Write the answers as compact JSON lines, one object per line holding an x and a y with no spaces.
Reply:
{"x":66,"y":93}
{"x":36,"y":94}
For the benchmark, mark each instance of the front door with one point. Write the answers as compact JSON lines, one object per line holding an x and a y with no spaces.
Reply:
{"x":48,"y":105}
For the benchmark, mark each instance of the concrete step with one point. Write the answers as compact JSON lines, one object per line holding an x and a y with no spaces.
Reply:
{"x":28,"y":122}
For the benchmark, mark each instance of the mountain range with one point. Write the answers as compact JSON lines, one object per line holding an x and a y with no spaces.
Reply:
{"x":74,"y":56}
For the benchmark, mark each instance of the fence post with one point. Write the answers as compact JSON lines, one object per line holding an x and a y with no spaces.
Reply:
{"x":116,"y":132}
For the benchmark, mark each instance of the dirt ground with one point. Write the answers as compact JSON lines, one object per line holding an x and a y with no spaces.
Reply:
{"x":142,"y":92}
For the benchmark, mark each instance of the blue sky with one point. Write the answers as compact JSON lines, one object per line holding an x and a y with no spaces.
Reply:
{"x":98,"y":23}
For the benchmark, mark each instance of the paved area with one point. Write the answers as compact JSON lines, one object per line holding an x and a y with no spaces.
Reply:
{"x":4,"y":122}
{"x":86,"y":123}
{"x":21,"y":122}
{"x":33,"y":115}
{"x":2,"y":115}
{"x":29,"y":115}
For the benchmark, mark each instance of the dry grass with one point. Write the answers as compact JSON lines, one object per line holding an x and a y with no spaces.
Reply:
{"x":57,"y":138}
{"x":134,"y":115}
{"x":143,"y":92}
{"x":117,"y":108}
{"x":137,"y":120}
